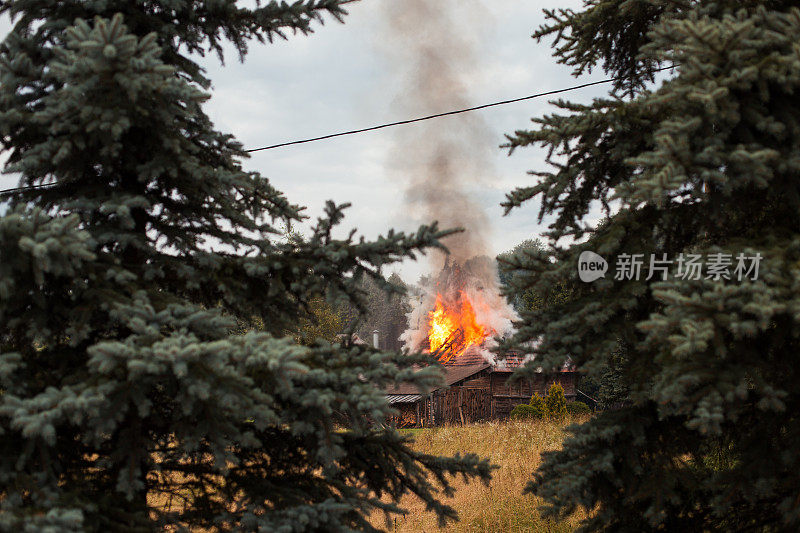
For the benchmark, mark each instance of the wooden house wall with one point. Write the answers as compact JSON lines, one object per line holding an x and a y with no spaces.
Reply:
{"x":568,"y":383}
{"x":503,"y":405}
{"x":460,"y":405}
{"x":539,"y":384}
{"x":501,"y":396}
{"x":501,"y":386}
{"x":478,"y":381}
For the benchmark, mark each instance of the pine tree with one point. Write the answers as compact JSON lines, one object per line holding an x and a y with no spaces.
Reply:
{"x":517,"y":286}
{"x":386,"y":311}
{"x":527,"y":299}
{"x":705,"y":162}
{"x":326,"y":322}
{"x":131,"y":398}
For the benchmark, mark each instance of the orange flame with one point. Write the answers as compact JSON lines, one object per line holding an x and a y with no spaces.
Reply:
{"x":452,"y":327}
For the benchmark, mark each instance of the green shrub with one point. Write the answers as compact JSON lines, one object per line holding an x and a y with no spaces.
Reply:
{"x":555,"y":402}
{"x":578,"y":408}
{"x":535,"y":409}
{"x":537,"y":402}
{"x":526,"y":412}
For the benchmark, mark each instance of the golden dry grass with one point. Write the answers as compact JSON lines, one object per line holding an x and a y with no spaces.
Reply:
{"x":515,"y":446}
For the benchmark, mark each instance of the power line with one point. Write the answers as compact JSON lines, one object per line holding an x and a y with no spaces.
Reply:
{"x":428,"y":117}
{"x":408,"y":121}
{"x":25,"y":188}
{"x":447,"y":113}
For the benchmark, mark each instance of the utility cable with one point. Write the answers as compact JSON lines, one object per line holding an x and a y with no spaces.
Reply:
{"x":407,"y":121}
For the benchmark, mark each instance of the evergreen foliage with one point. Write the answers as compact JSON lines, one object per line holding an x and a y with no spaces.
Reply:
{"x":516,"y":283}
{"x":607,"y":386}
{"x":524,"y":411}
{"x":510,"y":277}
{"x":555,"y":403}
{"x":577,"y":408}
{"x":537,"y":402}
{"x":325,"y":323}
{"x":704,"y":162}
{"x":385,"y":310}
{"x":126,"y":379}
{"x":553,"y":406}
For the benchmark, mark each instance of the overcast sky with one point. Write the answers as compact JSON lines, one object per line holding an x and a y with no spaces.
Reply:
{"x":339,"y":78}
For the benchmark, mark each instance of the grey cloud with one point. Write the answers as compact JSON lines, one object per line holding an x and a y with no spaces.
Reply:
{"x":337,"y":79}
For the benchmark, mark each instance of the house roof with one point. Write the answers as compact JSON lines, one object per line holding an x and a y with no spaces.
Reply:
{"x":452,"y":374}
{"x":510,"y":363}
{"x":403,"y":398}
{"x":507,"y":363}
{"x":474,"y":356}
{"x":467,"y":364}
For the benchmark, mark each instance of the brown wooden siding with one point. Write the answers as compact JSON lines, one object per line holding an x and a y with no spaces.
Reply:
{"x":481,"y":382}
{"x":459,"y":405}
{"x":500,"y":385}
{"x":502,"y":405}
{"x":485,"y":395}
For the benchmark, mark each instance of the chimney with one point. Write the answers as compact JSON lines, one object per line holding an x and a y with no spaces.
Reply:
{"x":375,"y":338}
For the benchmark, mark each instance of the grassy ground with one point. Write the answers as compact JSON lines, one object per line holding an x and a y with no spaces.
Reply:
{"x":514,"y":446}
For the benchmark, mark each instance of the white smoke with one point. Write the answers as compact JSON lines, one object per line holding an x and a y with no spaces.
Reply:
{"x":479,"y":282}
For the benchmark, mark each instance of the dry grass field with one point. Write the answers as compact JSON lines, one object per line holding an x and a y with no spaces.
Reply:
{"x":514,"y":446}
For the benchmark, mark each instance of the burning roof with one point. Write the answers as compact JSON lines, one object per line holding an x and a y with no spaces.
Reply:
{"x":460,"y":313}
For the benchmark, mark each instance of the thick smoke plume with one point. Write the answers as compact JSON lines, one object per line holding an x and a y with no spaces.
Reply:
{"x":442,"y":161}
{"x":445,"y":162}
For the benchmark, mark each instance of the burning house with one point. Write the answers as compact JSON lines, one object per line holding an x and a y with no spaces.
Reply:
{"x":474,"y":390}
{"x":457,"y":319}
{"x":444,"y":165}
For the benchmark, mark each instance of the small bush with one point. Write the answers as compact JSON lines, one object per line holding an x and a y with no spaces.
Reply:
{"x":535,"y":409}
{"x":537,"y":402}
{"x":553,"y":406}
{"x":526,"y":412}
{"x":578,"y":408}
{"x":555,"y":402}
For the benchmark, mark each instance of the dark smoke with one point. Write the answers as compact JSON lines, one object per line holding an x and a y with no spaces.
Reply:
{"x":444,"y":162}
